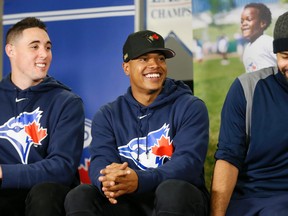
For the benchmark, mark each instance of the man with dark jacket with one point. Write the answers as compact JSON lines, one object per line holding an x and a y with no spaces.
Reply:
{"x":148,"y":146}
{"x":41,"y":127}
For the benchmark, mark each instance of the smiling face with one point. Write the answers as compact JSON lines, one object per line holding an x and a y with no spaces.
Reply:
{"x":282,"y":62}
{"x":147,"y":74}
{"x":30,"y":56}
{"x":251,"y":25}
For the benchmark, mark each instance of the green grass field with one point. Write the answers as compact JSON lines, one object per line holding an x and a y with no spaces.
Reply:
{"x":211,"y":83}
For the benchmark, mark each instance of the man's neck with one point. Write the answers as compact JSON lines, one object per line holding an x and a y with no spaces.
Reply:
{"x":146,"y":99}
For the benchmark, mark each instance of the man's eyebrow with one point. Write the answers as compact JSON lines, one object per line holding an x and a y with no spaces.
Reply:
{"x":38,"y":41}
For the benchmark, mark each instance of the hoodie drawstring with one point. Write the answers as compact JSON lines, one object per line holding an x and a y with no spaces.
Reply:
{"x":140,"y":118}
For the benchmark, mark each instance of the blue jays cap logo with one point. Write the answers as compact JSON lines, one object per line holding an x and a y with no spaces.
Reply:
{"x":151,"y":151}
{"x":152,"y":37}
{"x":24,"y":131}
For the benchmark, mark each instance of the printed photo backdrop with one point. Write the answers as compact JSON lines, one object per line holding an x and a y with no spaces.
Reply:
{"x":165,"y":17}
{"x":213,"y":74}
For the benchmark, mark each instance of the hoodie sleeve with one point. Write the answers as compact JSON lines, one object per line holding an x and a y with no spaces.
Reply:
{"x":103,"y":148}
{"x":63,"y":151}
{"x":191,"y":137}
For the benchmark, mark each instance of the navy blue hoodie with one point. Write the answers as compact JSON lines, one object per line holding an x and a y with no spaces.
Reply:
{"x":166,"y":140}
{"x":41,"y":133}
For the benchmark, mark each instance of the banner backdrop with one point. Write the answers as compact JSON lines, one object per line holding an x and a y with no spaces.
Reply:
{"x":87,"y":39}
{"x":171,"y":16}
{"x":217,"y":25}
{"x":173,"y":20}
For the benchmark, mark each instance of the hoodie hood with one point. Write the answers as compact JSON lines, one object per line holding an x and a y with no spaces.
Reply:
{"x":172,"y":89}
{"x":48,"y":83}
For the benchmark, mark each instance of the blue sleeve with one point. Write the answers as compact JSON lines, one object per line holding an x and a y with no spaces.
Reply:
{"x":191,"y":137}
{"x":103,"y":148}
{"x":63,"y":152}
{"x":232,"y":137}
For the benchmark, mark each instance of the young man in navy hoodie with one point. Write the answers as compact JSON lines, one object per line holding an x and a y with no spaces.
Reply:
{"x":41,"y":127}
{"x":149,"y":145}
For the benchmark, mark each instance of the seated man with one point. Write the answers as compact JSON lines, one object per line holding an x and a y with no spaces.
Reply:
{"x":41,"y":128}
{"x":148,"y":146}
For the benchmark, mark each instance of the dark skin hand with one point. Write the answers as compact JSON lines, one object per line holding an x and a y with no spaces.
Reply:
{"x":117,"y":180}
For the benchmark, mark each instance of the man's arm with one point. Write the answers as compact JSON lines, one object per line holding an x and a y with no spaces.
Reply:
{"x":223,"y":183}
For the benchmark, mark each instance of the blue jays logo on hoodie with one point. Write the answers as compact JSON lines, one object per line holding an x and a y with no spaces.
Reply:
{"x":150,"y":151}
{"x":24,"y":131}
{"x":85,"y":158}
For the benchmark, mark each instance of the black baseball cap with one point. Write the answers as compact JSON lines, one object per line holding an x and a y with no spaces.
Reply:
{"x":142,"y":42}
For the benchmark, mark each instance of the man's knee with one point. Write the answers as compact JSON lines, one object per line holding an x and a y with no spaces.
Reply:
{"x":84,"y":200}
{"x":46,"y":199}
{"x":180,"y":197}
{"x":48,"y":192}
{"x":178,"y":188}
{"x":81,"y":193}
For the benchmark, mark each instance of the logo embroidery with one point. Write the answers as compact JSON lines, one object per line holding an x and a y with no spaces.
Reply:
{"x":153,"y":37}
{"x":85,"y":158}
{"x":24,"y":131}
{"x":159,"y":147}
{"x":20,"y":99}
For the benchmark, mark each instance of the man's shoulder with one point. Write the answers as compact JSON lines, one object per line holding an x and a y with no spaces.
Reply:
{"x":64,"y":93}
{"x":114,"y":104}
{"x":255,"y":76}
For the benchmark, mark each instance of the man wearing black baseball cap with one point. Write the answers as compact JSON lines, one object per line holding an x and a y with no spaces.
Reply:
{"x":149,"y":145}
{"x":250,"y":175}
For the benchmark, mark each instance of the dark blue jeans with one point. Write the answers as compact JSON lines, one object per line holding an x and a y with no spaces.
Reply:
{"x":171,"y":198}
{"x":46,"y":199}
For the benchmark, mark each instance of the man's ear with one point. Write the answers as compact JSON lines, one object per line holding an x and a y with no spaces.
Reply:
{"x":125,"y":66}
{"x":9,"y":49}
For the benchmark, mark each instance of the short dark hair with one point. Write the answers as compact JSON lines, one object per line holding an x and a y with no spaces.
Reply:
{"x":264,"y":12}
{"x":28,"y":22}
